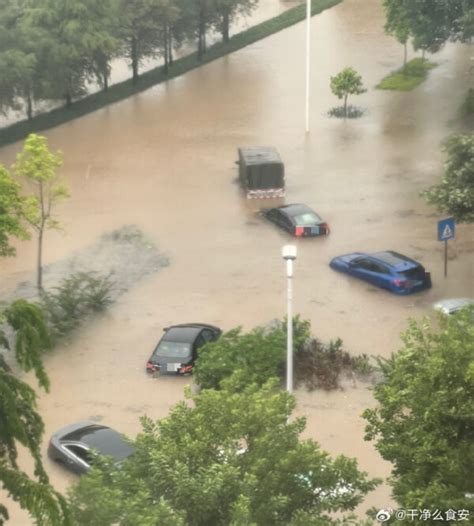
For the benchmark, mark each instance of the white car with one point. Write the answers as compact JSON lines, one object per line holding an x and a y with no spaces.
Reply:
{"x":451,"y":306}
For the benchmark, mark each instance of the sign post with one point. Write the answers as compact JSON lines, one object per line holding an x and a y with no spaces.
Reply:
{"x":446,"y":230}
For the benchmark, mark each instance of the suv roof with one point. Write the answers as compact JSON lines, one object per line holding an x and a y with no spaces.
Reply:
{"x":397,"y":261}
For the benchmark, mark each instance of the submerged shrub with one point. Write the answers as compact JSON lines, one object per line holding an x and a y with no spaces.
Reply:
{"x":76,"y":297}
{"x":351,"y":112}
{"x":320,"y":365}
{"x":260,"y":354}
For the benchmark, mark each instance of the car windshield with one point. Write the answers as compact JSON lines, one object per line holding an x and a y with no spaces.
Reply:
{"x":167,"y":349}
{"x":308,"y":218}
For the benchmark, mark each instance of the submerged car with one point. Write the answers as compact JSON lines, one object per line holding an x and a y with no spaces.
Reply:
{"x":452,"y":306}
{"x":298,"y":219}
{"x":387,"y":270}
{"x":72,"y":445}
{"x":177,"y":350}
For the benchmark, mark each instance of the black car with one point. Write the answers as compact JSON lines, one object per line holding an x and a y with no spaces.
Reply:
{"x":299,"y":220}
{"x":177,"y":350}
{"x":72,"y":445}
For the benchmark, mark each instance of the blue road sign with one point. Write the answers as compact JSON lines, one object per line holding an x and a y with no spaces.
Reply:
{"x":446,"y":229}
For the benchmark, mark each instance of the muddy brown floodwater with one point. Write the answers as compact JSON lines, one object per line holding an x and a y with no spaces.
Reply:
{"x":164,"y":160}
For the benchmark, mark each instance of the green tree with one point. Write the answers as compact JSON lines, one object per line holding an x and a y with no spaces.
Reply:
{"x":228,"y":11}
{"x":10,"y":213}
{"x":138,"y":32}
{"x":225,"y":458}
{"x":433,"y":22}
{"x":347,"y":82}
{"x":424,"y":424}
{"x":102,"y":43}
{"x":18,"y":61}
{"x":166,"y":14}
{"x":20,"y":423}
{"x":455,"y":193}
{"x":397,"y":22}
{"x":38,"y":166}
{"x":74,"y":42}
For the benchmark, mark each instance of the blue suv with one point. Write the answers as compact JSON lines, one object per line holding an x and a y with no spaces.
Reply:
{"x":387,"y":270}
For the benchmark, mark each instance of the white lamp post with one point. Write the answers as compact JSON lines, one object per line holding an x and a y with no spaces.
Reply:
{"x":308,"y":45}
{"x":289,"y":254}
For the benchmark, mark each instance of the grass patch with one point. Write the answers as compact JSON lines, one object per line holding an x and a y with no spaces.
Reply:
{"x":408,"y":77}
{"x":123,"y":90}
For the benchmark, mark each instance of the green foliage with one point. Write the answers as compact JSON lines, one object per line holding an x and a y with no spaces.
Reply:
{"x":76,"y":297}
{"x":408,"y":77}
{"x":38,"y":166}
{"x":18,"y":70}
{"x":32,"y":337}
{"x":397,"y":21}
{"x":431,"y":23}
{"x":347,"y":82}
{"x":10,"y":213}
{"x":252,"y":358}
{"x":424,"y":424}
{"x":228,"y":11}
{"x":113,"y":496}
{"x":260,"y":354}
{"x":224,"y":458}
{"x":155,"y":76}
{"x":455,"y":193}
{"x":20,"y":424}
{"x":467,"y":108}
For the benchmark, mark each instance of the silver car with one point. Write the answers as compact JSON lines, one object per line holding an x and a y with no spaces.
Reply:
{"x":451,"y":306}
{"x":72,"y":445}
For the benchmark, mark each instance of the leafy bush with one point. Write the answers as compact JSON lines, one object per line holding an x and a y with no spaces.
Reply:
{"x":76,"y":297}
{"x":260,"y":354}
{"x":254,"y":357}
{"x":351,"y":112}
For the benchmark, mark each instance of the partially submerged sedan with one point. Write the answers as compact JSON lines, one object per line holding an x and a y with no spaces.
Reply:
{"x":177,"y":350}
{"x":387,"y":270}
{"x":451,"y":306}
{"x":72,"y":446}
{"x":298,"y":219}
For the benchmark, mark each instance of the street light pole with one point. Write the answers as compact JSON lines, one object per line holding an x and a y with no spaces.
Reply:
{"x":308,"y":46}
{"x":289,"y":254}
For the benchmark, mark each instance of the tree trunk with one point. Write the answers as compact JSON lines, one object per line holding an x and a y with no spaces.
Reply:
{"x":201,"y":36}
{"x":423,"y":54}
{"x":68,"y":100}
{"x":39,"y":262}
{"x":29,"y":106}
{"x":345,"y":106}
{"x":405,"y":54}
{"x":166,"y":53}
{"x":170,"y":48}
{"x":105,"y":77}
{"x":134,"y":57}
{"x":225,"y":27}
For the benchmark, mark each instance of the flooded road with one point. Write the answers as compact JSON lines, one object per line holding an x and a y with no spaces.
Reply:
{"x":164,"y":160}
